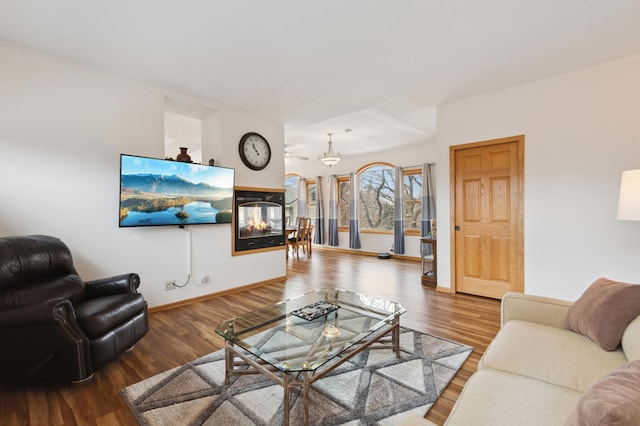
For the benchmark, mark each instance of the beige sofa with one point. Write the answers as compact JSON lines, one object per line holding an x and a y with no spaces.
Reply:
{"x":535,"y":372}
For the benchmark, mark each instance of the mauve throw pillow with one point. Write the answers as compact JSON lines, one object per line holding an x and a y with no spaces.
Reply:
{"x":603,"y":312}
{"x":613,"y":400}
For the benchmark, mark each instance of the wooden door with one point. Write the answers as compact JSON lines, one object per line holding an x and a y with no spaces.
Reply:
{"x":488,"y":217}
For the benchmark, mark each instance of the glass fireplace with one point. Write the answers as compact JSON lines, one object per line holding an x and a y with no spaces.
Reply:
{"x":259,"y":219}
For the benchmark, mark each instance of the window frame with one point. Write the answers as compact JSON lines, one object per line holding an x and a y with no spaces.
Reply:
{"x":360,"y":171}
{"x":339,"y":180}
{"x":405,"y":173}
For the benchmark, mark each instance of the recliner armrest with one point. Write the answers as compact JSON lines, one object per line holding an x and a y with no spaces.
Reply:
{"x":48,"y":312}
{"x":536,"y":309}
{"x":118,"y":284}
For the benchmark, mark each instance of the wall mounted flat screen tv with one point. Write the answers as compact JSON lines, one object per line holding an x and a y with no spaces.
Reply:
{"x":156,"y":192}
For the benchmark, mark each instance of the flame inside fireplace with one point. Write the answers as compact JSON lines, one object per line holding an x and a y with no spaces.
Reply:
{"x":255,"y":222}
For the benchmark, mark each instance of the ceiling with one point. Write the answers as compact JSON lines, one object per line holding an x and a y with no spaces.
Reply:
{"x":379,"y":68}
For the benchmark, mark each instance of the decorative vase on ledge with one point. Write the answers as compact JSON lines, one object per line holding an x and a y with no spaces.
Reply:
{"x":183,"y":156}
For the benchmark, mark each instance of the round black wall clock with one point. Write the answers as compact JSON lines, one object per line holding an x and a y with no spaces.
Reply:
{"x":255,"y":151}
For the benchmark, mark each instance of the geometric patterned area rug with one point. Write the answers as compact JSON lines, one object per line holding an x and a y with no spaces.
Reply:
{"x":373,"y":388}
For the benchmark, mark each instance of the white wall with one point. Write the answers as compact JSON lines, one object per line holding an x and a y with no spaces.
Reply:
{"x":63,"y":127}
{"x":582,"y":129}
{"x":412,"y":155}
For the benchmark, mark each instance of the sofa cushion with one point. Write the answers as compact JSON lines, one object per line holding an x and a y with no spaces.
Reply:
{"x":614,"y":400}
{"x":550,"y":354}
{"x":603,"y":312}
{"x":495,"y":398}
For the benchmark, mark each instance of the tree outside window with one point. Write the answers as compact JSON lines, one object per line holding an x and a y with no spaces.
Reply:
{"x":376,"y":198}
{"x":343,"y":202}
{"x":412,"y":200}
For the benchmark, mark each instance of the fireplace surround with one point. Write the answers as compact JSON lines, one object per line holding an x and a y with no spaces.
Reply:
{"x":258,"y":220}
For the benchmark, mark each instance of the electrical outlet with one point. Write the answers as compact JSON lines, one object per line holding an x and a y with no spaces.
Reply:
{"x":170,"y":285}
{"x":204,"y":278}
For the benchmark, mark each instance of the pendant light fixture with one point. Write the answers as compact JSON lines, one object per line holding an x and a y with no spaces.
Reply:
{"x":330,"y":158}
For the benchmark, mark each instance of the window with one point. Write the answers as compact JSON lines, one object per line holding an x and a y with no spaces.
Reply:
{"x":412,"y":200}
{"x":343,"y":202}
{"x":291,"y":196}
{"x":311,"y":199}
{"x":376,"y":198}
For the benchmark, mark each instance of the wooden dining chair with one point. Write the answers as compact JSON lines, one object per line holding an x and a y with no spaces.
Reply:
{"x":300,"y":238}
{"x":308,"y":237}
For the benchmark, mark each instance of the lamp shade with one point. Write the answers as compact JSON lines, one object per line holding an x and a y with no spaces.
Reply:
{"x":330,"y":158}
{"x":629,"y":201}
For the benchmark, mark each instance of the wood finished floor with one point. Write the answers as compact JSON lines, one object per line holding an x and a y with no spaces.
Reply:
{"x":185,"y":333}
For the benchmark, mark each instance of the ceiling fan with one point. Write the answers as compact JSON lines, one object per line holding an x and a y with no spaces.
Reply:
{"x":289,"y":156}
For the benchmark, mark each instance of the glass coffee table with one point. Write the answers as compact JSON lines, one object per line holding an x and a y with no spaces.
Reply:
{"x":302,"y":339}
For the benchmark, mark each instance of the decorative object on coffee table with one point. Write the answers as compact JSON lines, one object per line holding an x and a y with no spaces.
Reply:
{"x":315,"y":310}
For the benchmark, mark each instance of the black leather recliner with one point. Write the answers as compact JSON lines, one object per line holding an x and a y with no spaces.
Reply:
{"x":54,"y":327}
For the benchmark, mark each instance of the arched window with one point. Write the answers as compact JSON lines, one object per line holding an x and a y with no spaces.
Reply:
{"x":376,"y":197}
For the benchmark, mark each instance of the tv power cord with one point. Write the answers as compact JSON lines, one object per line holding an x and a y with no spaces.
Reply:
{"x":185,"y":284}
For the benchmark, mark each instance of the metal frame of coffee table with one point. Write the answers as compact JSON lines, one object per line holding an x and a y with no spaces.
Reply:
{"x":305,"y":378}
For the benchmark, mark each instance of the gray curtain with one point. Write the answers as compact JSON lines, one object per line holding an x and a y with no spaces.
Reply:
{"x":354,"y":226}
{"x":428,"y":201}
{"x":302,"y":198}
{"x":318,"y":236}
{"x":398,"y":221}
{"x":333,"y":211}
